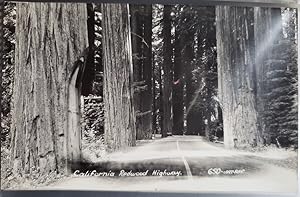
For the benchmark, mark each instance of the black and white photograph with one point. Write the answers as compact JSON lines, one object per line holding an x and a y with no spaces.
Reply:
{"x":149,"y":97}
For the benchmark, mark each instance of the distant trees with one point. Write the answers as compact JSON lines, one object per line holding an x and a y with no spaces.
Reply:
{"x":276,"y":76}
{"x":178,"y":80}
{"x":194,"y":122}
{"x":200,"y":68}
{"x":189,"y":48}
{"x":280,"y":115}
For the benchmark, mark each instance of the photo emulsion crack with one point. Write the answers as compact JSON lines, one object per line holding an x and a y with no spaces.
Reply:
{"x":149,"y":97}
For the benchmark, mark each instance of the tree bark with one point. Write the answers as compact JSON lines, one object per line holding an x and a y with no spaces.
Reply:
{"x":50,"y":38}
{"x":167,"y":73}
{"x":235,"y":76}
{"x":120,"y":128}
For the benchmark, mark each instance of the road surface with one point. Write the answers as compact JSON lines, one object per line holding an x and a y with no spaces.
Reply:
{"x":183,"y":164}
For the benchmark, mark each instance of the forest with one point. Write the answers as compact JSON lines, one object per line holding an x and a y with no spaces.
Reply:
{"x":80,"y":80}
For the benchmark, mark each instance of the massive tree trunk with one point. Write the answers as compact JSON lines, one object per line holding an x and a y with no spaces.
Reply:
{"x":178,"y":110}
{"x":120,"y":129}
{"x":50,"y":38}
{"x":236,"y":77}
{"x":167,"y":73}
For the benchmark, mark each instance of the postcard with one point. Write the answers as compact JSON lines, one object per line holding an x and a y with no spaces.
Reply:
{"x":149,"y":97}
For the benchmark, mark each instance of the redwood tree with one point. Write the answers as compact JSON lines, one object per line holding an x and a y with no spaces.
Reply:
{"x":50,"y":38}
{"x":120,"y":129}
{"x":236,"y":77}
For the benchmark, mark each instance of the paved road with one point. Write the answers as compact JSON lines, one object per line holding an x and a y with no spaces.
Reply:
{"x":182,"y":163}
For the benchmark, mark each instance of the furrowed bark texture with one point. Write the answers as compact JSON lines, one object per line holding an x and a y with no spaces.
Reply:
{"x":236,"y":76}
{"x":120,"y":129}
{"x":49,"y":39}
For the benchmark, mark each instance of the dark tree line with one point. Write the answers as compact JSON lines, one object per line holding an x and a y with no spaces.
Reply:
{"x":188,"y":65}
